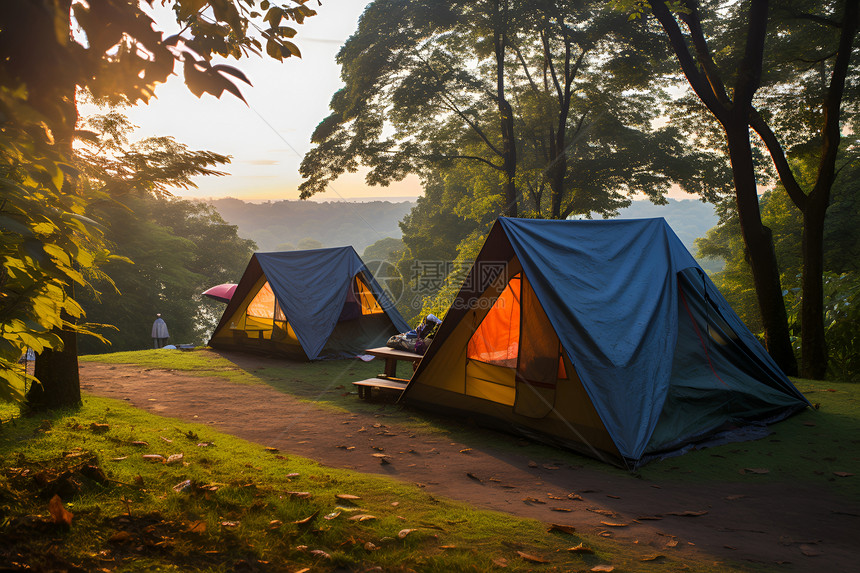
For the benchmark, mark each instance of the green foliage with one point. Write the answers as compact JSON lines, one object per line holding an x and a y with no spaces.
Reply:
{"x":113,"y":50}
{"x":421,"y":96}
{"x":840,"y":263}
{"x":386,"y":249}
{"x":841,"y":323}
{"x":47,"y":244}
{"x":179,"y":248}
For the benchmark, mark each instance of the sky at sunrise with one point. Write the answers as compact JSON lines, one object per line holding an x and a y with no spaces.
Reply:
{"x":268,"y":137}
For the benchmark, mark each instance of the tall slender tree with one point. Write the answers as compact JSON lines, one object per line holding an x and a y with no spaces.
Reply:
{"x":801,"y":52}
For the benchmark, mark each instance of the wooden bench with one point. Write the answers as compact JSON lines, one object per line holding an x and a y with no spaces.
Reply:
{"x":388,"y":379}
{"x":365,"y":387}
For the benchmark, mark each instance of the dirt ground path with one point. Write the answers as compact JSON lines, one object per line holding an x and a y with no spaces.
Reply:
{"x":792,"y":525}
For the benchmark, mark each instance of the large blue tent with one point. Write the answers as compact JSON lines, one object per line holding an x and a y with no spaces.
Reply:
{"x":317,"y":303}
{"x":606,"y":336}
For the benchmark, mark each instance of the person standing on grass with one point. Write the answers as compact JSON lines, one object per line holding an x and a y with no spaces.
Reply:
{"x":159,"y":332}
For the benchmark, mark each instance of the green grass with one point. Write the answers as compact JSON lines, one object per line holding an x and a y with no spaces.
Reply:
{"x":810,"y":447}
{"x":328,"y":384}
{"x":199,"y":362}
{"x":795,"y":451}
{"x":238,"y":513}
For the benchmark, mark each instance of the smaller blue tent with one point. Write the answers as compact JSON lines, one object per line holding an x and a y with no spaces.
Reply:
{"x":605,"y":336}
{"x":318,"y":303}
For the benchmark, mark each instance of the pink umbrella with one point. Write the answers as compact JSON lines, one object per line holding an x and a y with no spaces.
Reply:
{"x":221,"y":293}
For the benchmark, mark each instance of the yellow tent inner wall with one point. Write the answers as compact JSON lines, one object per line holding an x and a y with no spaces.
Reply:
{"x":365,"y":297}
{"x":491,"y":385}
{"x":259,"y":318}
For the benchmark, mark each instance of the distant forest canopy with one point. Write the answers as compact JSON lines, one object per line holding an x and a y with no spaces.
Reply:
{"x":283,"y":225}
{"x":274,"y":224}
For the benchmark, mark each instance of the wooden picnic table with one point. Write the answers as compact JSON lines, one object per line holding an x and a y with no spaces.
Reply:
{"x":389,"y":379}
{"x":392,"y":357}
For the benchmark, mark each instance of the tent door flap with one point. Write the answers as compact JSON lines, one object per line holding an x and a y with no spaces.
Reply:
{"x":537,"y":362}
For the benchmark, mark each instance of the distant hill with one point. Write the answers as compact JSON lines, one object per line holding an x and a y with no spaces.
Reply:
{"x":282,"y":225}
{"x":689,"y":218}
{"x":278,"y":225}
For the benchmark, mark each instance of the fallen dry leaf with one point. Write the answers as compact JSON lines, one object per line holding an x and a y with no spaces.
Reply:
{"x":59,"y":513}
{"x":605,"y":512}
{"x":809,"y":551}
{"x":120,"y":537}
{"x":533,"y":500}
{"x":404,"y":532}
{"x":465,"y":450}
{"x":500,"y":562}
{"x":182,"y":486}
{"x":612,"y":524}
{"x":153,"y":457}
{"x":574,"y":496}
{"x":332,"y":515}
{"x":99,"y":428}
{"x":604,"y":568}
{"x":347,"y":496}
{"x":649,"y":518}
{"x":560,"y":509}
{"x":362,"y":517}
{"x":672,"y":543}
{"x":370,"y":546}
{"x":532,"y":558}
{"x":470,"y":475}
{"x":755,"y":471}
{"x":843,"y":474}
{"x":687,"y":513}
{"x":320,"y":553}
{"x":229,"y":524}
{"x":291,"y":476}
{"x":173,"y":458}
{"x":551,"y":496}
{"x":569,"y":529}
{"x":581,"y":549}
{"x":299,"y":494}
{"x":272,"y":450}
{"x":653,"y":557}
{"x":308,"y":519}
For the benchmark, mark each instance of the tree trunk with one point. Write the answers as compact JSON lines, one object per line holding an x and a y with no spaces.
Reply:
{"x":813,"y":344}
{"x":557,"y":170}
{"x":506,"y":115}
{"x":759,"y":245}
{"x":57,"y":370}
